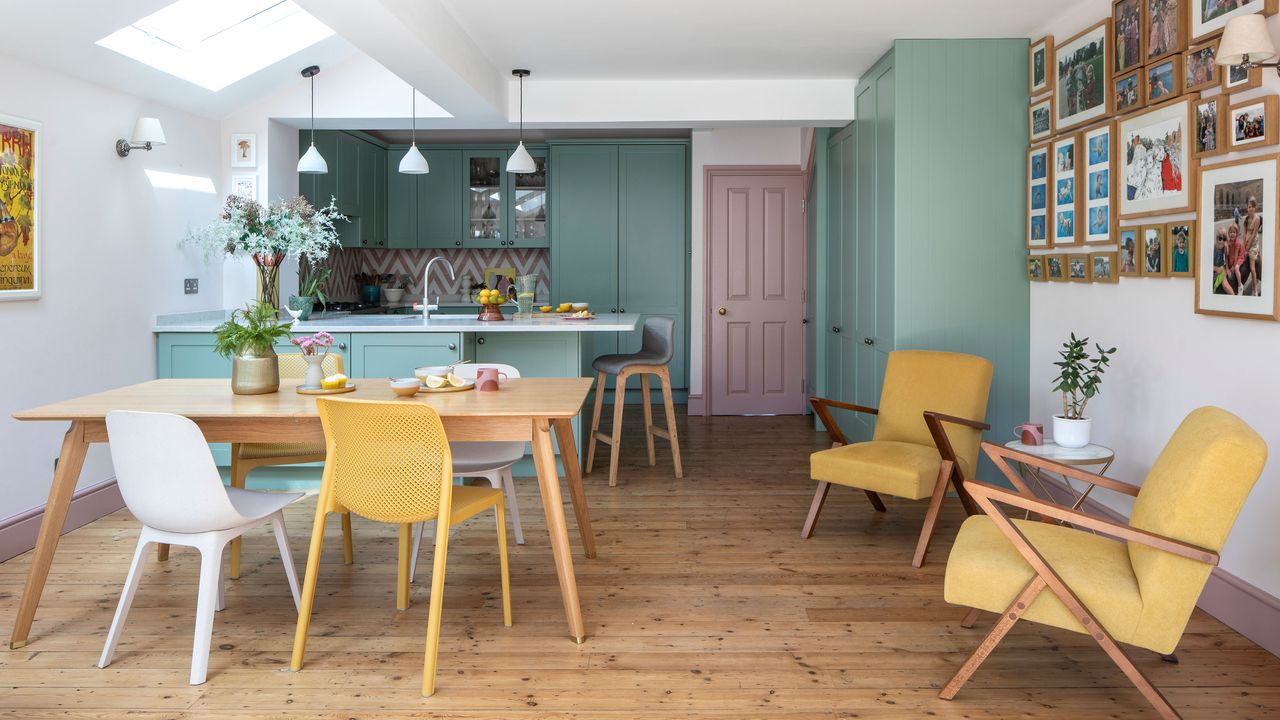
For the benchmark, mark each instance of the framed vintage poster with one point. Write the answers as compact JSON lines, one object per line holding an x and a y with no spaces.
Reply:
{"x":244,"y":150}
{"x":245,"y":185}
{"x":21,"y":236}
{"x":1038,"y":182}
{"x":1166,"y":31}
{"x":1040,"y":61}
{"x":1126,"y":25}
{"x":1082,"y":86}
{"x":1040,"y":119}
{"x":1236,"y":78}
{"x":1063,"y":154}
{"x":1164,"y":79}
{"x":1035,"y":268}
{"x":1130,"y":91}
{"x":1210,"y":126}
{"x":1236,"y":271}
{"x":1200,"y":66}
{"x":1055,"y":267}
{"x":1157,"y":168}
{"x":1078,"y":268}
{"x":1129,"y":251}
{"x":1211,"y":16}
{"x":1099,"y":147}
{"x":1180,"y":239}
{"x":1252,"y":123}
{"x":1102,"y":267}
{"x":1152,"y":260}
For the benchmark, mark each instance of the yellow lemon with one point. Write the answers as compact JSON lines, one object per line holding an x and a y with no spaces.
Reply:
{"x":435,"y":381}
{"x":565,"y":307}
{"x":334,"y":382}
{"x":546,"y":308}
{"x":456,"y":381}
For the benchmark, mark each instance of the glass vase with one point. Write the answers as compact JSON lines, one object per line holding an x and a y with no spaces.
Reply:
{"x":268,"y":277}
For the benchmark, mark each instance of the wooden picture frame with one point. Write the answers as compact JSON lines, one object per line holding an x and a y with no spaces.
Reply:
{"x":1237,"y":79}
{"x":1165,"y":77}
{"x":1040,"y":112}
{"x":1224,"y":189}
{"x":1041,"y":51}
{"x":1128,"y":254}
{"x":1200,"y":27}
{"x":1153,"y":260}
{"x":1199,"y":66}
{"x":1147,"y":185}
{"x":244,"y":150}
{"x":1128,"y":35}
{"x":1085,"y":57}
{"x":1166,"y":19}
{"x":22,"y":234}
{"x":1209,"y":129}
{"x":1097,"y":158}
{"x":1245,"y":136}
{"x":1129,"y":91}
{"x":1104,"y":267}
{"x":1039,"y":182}
{"x":1036,"y":269}
{"x":1064,"y":192}
{"x":1078,"y":268}
{"x":1180,"y":244}
{"x":1055,"y":267}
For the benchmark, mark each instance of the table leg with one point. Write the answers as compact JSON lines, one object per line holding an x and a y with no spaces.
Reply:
{"x":70,"y":460}
{"x":573,"y":476}
{"x":552,"y":503}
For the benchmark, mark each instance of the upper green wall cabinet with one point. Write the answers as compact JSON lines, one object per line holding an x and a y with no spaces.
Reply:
{"x":425,"y":211}
{"x":356,"y":182}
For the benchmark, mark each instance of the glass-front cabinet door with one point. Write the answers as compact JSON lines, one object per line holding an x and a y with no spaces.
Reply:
{"x":529,"y":205}
{"x":486,"y":211}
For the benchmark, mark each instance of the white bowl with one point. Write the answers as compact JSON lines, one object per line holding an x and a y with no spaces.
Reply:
{"x":580,"y":306}
{"x":427,"y":371}
{"x":406,"y":386}
{"x":393,"y":295}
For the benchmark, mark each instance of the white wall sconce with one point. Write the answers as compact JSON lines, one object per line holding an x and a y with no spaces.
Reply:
{"x":147,"y":134}
{"x":1247,"y":44}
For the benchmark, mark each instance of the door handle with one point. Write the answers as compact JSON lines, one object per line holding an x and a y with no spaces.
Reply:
{"x":804,"y":321}
{"x":868,"y":341}
{"x":721,"y":311}
{"x":835,"y":328}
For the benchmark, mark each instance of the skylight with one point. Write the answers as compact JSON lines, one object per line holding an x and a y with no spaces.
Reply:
{"x":214,"y":43}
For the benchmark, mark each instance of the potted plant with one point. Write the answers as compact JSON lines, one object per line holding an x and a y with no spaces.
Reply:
{"x":1079,"y":377}
{"x":370,"y":287}
{"x":269,"y":235}
{"x":310,"y":290}
{"x":247,"y":338}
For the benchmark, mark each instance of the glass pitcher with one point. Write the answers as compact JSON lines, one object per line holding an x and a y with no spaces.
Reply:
{"x":526,"y":289}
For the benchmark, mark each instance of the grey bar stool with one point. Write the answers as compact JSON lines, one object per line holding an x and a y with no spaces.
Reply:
{"x":656,"y":350}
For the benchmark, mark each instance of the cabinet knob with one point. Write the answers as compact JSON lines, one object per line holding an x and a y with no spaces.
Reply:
{"x":380,"y":243}
{"x":868,"y":341}
{"x":622,"y":310}
{"x":835,"y":328}
{"x":722,"y":311}
{"x":458,"y":243}
{"x":479,"y":341}
{"x":342,"y":346}
{"x":613,"y":310}
{"x":453,"y":346}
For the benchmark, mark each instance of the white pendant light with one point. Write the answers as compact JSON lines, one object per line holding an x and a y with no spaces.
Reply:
{"x":413,"y":162}
{"x":312,"y":162}
{"x":521,"y":161}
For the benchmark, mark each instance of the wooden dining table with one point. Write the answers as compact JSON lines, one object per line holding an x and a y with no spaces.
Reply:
{"x":525,"y":409}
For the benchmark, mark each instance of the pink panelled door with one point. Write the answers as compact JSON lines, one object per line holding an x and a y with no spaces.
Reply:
{"x":756,"y":360}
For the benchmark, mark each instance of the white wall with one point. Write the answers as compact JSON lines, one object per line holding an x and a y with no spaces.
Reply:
{"x":111,"y":262}
{"x":725,"y":146}
{"x":1170,"y":361}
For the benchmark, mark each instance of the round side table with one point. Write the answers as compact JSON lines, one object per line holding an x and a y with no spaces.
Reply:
{"x":1085,"y":456}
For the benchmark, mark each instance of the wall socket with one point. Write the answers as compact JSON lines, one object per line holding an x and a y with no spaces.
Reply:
{"x":191,"y":286}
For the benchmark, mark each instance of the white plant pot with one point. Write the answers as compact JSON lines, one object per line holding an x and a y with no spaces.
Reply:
{"x":1071,"y":433}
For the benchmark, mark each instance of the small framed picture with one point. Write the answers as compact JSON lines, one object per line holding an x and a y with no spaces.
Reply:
{"x":1130,"y":91}
{"x":1102,"y":267}
{"x":244,"y":150}
{"x":1039,"y":181}
{"x":1182,"y":247}
{"x":1211,"y":16}
{"x":1210,"y":126}
{"x":1055,"y":267}
{"x":1099,"y":146}
{"x":245,"y":186}
{"x":1129,"y":252}
{"x":1200,"y":66}
{"x":1040,"y":119}
{"x":1164,"y":79}
{"x":1236,"y":271}
{"x":1081,"y":88}
{"x":1166,"y":29}
{"x":1035,"y":268}
{"x":1252,"y":123}
{"x":1078,"y":268}
{"x":1066,"y":177}
{"x":1237,"y":79}
{"x":1153,"y":253}
{"x":1040,"y":60}
{"x":1126,"y":24}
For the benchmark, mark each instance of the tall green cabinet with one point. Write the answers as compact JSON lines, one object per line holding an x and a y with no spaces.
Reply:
{"x":924,"y":222}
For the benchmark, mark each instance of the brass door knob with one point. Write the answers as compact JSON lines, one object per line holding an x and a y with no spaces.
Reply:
{"x":721,"y":311}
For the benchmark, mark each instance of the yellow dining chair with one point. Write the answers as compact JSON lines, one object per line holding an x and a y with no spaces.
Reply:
{"x":390,"y":462}
{"x":910,"y":454}
{"x":246,"y":457}
{"x":1138,"y":589}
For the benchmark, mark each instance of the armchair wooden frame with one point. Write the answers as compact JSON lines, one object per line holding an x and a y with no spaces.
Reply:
{"x":948,"y":472}
{"x":987,"y":496}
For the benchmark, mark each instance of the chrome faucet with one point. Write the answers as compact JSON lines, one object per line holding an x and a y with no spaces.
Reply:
{"x":426,"y":286}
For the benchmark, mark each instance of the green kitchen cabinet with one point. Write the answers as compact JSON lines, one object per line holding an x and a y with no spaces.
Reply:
{"x":530,"y":201}
{"x":346,"y":171}
{"x":439,"y":200}
{"x":380,"y":355}
{"x":536,"y":354}
{"x":402,"y":204}
{"x":320,"y":189}
{"x":485,"y":201}
{"x":373,"y":195}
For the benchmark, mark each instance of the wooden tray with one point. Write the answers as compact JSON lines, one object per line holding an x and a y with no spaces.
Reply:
{"x":471,"y":385}
{"x":304,"y":390}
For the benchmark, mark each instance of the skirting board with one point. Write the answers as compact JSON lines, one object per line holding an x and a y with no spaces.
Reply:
{"x":18,"y":533}
{"x":697,"y":406}
{"x":1243,"y":607}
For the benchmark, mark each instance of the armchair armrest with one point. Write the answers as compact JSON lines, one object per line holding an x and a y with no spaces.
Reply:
{"x":822,"y":407}
{"x":998,"y":452}
{"x":985,"y":491}
{"x":932,"y":418}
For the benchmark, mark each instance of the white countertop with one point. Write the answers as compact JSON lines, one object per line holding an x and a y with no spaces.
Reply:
{"x":346,"y":322}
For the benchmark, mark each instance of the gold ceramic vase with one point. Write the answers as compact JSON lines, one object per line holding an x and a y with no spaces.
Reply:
{"x":255,"y":375}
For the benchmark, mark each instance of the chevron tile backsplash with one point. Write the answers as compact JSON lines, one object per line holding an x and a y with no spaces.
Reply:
{"x":470,"y":265}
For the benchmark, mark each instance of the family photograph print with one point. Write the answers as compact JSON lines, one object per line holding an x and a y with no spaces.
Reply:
{"x":1236,"y":259}
{"x":1155,"y":160}
{"x":1082,"y":85}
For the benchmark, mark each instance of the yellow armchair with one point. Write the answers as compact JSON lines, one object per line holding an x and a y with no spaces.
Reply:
{"x":1139,"y":588}
{"x":928,"y":429}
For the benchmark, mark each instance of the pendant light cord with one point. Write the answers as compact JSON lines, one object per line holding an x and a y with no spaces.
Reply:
{"x":313,"y":110}
{"x":413,"y":121}
{"x":522,"y":108}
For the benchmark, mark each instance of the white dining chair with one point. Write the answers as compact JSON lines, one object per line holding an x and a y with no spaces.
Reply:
{"x":489,"y":460}
{"x":170,"y":483}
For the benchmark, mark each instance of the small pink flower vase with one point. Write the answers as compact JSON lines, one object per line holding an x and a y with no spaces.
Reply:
{"x":315,"y":370}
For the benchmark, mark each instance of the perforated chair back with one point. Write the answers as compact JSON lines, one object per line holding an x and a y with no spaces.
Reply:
{"x":387,"y":461}
{"x":293,"y":367}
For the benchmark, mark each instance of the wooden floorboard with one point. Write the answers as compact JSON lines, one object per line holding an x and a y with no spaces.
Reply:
{"x":703,"y":603}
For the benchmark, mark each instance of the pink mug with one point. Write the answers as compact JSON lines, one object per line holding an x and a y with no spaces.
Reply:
{"x":1030,"y":433}
{"x":487,"y":378}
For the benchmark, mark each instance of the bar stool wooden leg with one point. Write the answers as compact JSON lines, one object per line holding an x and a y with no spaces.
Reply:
{"x":665,"y":377}
{"x":648,"y":417}
{"x":615,"y":444}
{"x":601,"y":380}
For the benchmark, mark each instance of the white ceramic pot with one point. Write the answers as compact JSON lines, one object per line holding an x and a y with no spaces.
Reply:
{"x":1071,"y":433}
{"x":315,"y":370}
